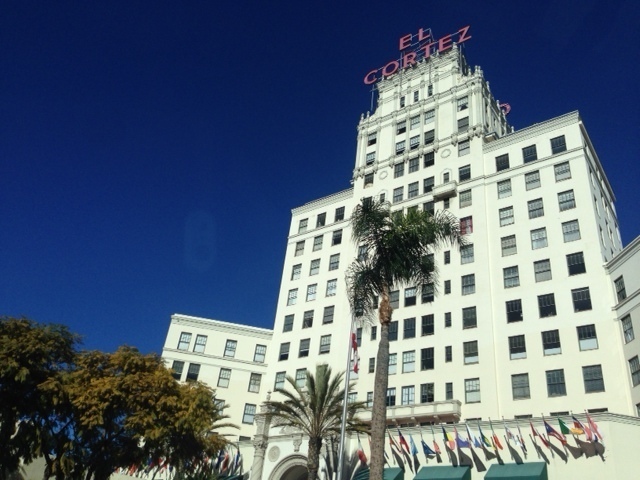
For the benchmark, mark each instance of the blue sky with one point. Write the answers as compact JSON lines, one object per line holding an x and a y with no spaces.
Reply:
{"x":151,"y":152}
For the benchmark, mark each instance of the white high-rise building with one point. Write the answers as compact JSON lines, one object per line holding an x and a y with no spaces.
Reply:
{"x":534,"y":316}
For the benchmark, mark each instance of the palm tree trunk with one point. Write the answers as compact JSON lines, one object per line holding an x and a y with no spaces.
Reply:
{"x":313,"y":457}
{"x":379,"y":409}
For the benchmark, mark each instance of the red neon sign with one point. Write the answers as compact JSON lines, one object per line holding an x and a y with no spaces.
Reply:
{"x":423,"y":50}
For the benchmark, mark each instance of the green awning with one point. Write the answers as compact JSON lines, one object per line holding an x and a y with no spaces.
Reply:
{"x":389,"y":474}
{"x":444,"y":472}
{"x":524,"y":471}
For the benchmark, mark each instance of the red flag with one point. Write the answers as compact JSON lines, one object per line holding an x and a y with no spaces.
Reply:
{"x":403,"y":442}
{"x":355,"y":358}
{"x":594,"y":428}
{"x":552,"y":432}
{"x":536,"y":434}
{"x":361,"y":454}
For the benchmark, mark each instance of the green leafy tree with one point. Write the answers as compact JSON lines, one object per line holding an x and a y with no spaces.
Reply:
{"x":394,"y":250}
{"x":316,"y":410}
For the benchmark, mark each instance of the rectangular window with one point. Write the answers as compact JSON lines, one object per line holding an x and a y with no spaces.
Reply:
{"x":466,"y":254}
{"x":593,"y":380}
{"x":587,"y":338}
{"x":394,"y":299}
{"x":292,"y":297}
{"x":315,"y":267}
{"x":634,"y":368}
{"x":302,"y":226}
{"x":307,"y":319}
{"x":520,"y":386}
{"x":200,"y":344}
{"x":336,"y":237}
{"x":448,"y":355}
{"x":398,"y":194}
{"x":517,"y":347}
{"x":193,"y":371}
{"x":339,"y":214}
{"x":401,"y":127}
{"x":448,"y":391}
{"x":284,"y":351}
{"x":538,"y":238}
{"x":312,"y":292}
{"x":327,"y":316}
{"x":334,"y":262}
{"x":428,"y":325}
{"x":547,"y":305}
{"x":468,"y":284}
{"x":374,"y":332}
{"x":558,"y":145}
{"x":369,"y":399}
{"x":414,"y":164}
{"x":428,"y":293}
{"x":466,"y":225}
{"x":185,"y":341}
{"x":504,"y":189}
{"x":391,"y":397}
{"x":393,"y":363}
{"x":414,"y":122}
{"x":414,"y":142}
{"x":562,"y":171}
{"x":428,"y":160}
{"x":627,"y":328}
{"x":254,"y":382}
{"x":429,"y":137}
{"x":447,"y":287}
{"x":414,"y":190}
{"x":427,"y":185}
{"x":536,"y":208}
{"x":571,"y":231}
{"x":542,"y":270}
{"x":447,"y":319}
{"x":393,"y":331}
{"x":249,"y":414}
{"x":566,"y":200}
{"x":463,"y":103}
{"x":296,"y":270}
{"x":621,"y":290}
{"x":260,"y":353}
{"x":532,"y":180}
{"x":408,"y":395}
{"x":317,"y":243}
{"x":508,"y":245}
{"x":581,"y":299}
{"x":472,"y":390}
{"x":372,"y":365}
{"x":368,"y":179}
{"x":465,"y":198}
{"x":429,"y":116}
{"x":529,"y":154}
{"x":299,"y":248}
{"x":551,"y":342}
{"x":332,"y":287}
{"x":370,"y":158}
{"x":511,"y":277}
{"x":506,"y":216}
{"x":400,"y":146}
{"x":325,"y":344}
{"x":279,"y":383}
{"x":555,"y":383}
{"x":372,"y":138}
{"x":409,"y":328}
{"x":288,"y":323}
{"x":464,"y":148}
{"x":177,"y":368}
{"x":224,"y":377}
{"x":321,"y":220}
{"x":469,"y":317}
{"x":230,"y":348}
{"x":427,"y":393}
{"x":470,"y":352}
{"x":427,"y":359}
{"x":301,"y":377}
{"x":463,"y":124}
{"x":502,"y":162}
{"x":514,"y":310}
{"x":409,"y":362}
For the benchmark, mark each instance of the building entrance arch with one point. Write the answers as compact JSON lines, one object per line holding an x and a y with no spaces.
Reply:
{"x":293,"y":467}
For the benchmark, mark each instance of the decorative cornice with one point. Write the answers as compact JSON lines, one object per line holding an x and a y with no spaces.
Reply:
{"x":321,"y":202}
{"x":222,"y":326}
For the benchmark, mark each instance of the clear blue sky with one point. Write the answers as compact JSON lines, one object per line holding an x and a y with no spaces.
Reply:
{"x":151,"y":152}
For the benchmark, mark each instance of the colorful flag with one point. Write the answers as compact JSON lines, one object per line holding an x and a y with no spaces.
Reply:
{"x":563,"y":427}
{"x":522,"y":444}
{"x":580,"y":429}
{"x":594,"y":428}
{"x":510,"y":436}
{"x":472,"y":438}
{"x":355,"y":358}
{"x":536,"y":434}
{"x":414,"y":449}
{"x":448,"y":439}
{"x":436,"y":447}
{"x":360,"y":452}
{"x":426,"y":449}
{"x":460,"y":442}
{"x":483,"y":437}
{"x":403,"y":442}
{"x":552,"y":432}
{"x":494,"y":437}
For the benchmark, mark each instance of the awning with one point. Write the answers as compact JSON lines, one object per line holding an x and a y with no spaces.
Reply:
{"x":444,"y":472}
{"x":389,"y":474}
{"x":524,"y":471}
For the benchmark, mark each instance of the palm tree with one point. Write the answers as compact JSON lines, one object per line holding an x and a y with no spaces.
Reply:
{"x":316,"y":410}
{"x":394,"y":250}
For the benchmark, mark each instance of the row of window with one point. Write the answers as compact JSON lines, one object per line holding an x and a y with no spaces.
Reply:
{"x":530,"y":154}
{"x":312,"y":291}
{"x":305,"y":345}
{"x":229,"y":349}
{"x":314,"y":267}
{"x":336,"y":239}
{"x":307,"y":318}
{"x":321,"y":220}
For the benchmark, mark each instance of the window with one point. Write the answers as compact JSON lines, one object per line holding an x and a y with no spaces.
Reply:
{"x":558,"y":145}
{"x":465,"y":198}
{"x":336,"y":238}
{"x":296,"y":271}
{"x":427,"y":325}
{"x":566,"y":200}
{"x":393,"y":331}
{"x":517,"y":347}
{"x":372,"y":365}
{"x":469,"y":317}
{"x":322,"y":218}
{"x":414,"y":142}
{"x":463,"y":124}
{"x":230,"y":348}
{"x":571,"y":231}
{"x":621,"y":291}
{"x":414,"y":190}
{"x":339,"y":214}
{"x":427,"y":359}
{"x":408,"y":395}
{"x":334,"y":262}
{"x":463,"y":103}
{"x":514,"y":310}
{"x":555,"y":383}
{"x":368,"y":179}
{"x":370,"y":159}
{"x":593,"y":381}
{"x":427,"y":393}
{"x":402,"y":126}
{"x":506,"y":216}
{"x":538,"y":238}
{"x":185,"y":341}
{"x":400,"y":146}
{"x":502,"y":162}
{"x":315,"y":267}
{"x":201,"y":342}
{"x":409,"y":362}
{"x":529,"y":154}
{"x":394,"y":299}
{"x":311,"y":292}
{"x":393,"y":363}
{"x":551,"y":342}
{"x":532,"y":180}
{"x":391,"y":397}
{"x":536,"y":208}
{"x":428,"y":159}
{"x":317,"y":243}
{"x":547,"y":305}
{"x":562,"y":171}
{"x":504,"y":189}
{"x":448,"y":391}
{"x":429,"y":137}
{"x":325,"y":344}
{"x":369,"y":399}
{"x":224,"y":377}
{"x":542,"y":270}
{"x":581,"y":299}
{"x":254,"y":382}
{"x":284,"y":351}
{"x":447,"y":257}
{"x":464,"y":148}
{"x":279,"y":383}
{"x":301,"y":377}
{"x":416,"y":96}
{"x":447,"y":287}
{"x":472,"y":390}
{"x":508,"y":245}
{"x":466,"y":225}
{"x":327,"y":316}
{"x":398,"y":170}
{"x":511,"y":277}
{"x":414,"y":164}
{"x":372,"y":138}
{"x":520,"y":386}
{"x":398,"y":194}
{"x":587,"y":338}
{"x":177,"y":368}
{"x":634,"y":368}
{"x":627,"y":328}
{"x":468,"y":284}
{"x":429,"y":116}
{"x":448,"y":355}
{"x":299,"y":248}
{"x":409,"y":327}
{"x":374,"y":332}
{"x":260,"y":353}
{"x":470,"y":352}
{"x":428,"y":292}
{"x":332,"y":286}
{"x":249,"y":413}
{"x":302,"y":226}
{"x":292,"y":297}
{"x":464,"y":173}
{"x":447,"y":319}
{"x":427,"y":185}
{"x":307,"y":319}
{"x":466,"y":254}
{"x":414,"y":122}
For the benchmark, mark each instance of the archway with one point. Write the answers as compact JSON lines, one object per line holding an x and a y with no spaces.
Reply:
{"x":293,"y":467}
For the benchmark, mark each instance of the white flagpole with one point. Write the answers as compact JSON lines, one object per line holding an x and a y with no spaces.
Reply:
{"x":343,"y":426}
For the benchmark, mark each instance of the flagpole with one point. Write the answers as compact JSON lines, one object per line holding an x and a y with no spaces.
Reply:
{"x":343,"y":425}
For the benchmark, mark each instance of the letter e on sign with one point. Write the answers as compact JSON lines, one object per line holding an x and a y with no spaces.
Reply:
{"x":405,"y":42}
